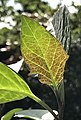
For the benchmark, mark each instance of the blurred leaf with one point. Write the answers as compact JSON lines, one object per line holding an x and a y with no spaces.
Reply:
{"x":3,"y":32}
{"x":9,"y":115}
{"x":44,"y":53}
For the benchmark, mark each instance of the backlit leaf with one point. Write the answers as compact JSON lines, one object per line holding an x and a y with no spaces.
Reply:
{"x":42,"y":52}
{"x":12,"y":86}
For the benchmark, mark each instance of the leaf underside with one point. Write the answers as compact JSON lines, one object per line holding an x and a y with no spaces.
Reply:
{"x":42,"y":52}
{"x":36,"y":114}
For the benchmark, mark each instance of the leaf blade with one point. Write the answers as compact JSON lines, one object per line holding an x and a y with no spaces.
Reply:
{"x":9,"y":114}
{"x":62,"y":28}
{"x":12,"y":86}
{"x":36,"y":114}
{"x":42,"y":52}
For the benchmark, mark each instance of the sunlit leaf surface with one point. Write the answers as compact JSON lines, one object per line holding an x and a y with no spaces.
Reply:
{"x":12,"y":86}
{"x":44,"y":53}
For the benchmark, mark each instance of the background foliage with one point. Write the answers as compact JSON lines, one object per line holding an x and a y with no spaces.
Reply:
{"x":10,"y":53}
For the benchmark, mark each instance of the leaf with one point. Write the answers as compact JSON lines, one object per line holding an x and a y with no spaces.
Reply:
{"x":12,"y":86}
{"x":62,"y":28}
{"x":36,"y":114}
{"x":9,"y":115}
{"x":42,"y":52}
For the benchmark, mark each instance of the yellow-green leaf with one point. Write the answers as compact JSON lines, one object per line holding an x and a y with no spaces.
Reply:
{"x":44,"y":53}
{"x":12,"y":86}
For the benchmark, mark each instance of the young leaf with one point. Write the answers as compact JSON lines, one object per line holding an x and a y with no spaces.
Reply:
{"x":9,"y":115}
{"x":12,"y":86}
{"x":44,"y":53}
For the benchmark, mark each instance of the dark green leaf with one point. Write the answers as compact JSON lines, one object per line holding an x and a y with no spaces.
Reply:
{"x":61,"y":24}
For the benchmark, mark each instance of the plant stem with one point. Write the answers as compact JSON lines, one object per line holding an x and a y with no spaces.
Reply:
{"x":61,"y":111}
{"x":60,"y":104}
{"x":60,"y":107}
{"x":44,"y":105}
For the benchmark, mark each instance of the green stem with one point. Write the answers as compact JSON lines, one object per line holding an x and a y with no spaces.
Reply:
{"x":44,"y":105}
{"x":60,"y":105}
